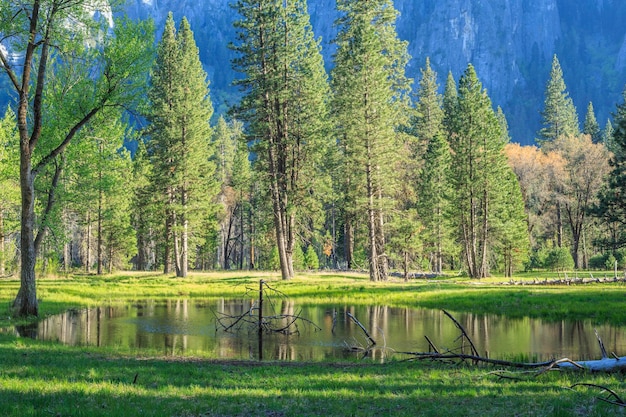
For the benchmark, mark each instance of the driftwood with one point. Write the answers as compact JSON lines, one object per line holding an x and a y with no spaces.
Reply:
{"x":567,"y":281}
{"x":371,"y":341}
{"x":605,"y":364}
{"x":598,"y":365}
{"x":463,"y":337}
{"x":373,"y":349}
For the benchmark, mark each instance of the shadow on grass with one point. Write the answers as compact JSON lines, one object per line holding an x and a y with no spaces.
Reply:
{"x":45,"y":379}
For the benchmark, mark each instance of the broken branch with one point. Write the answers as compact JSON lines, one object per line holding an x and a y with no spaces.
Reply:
{"x":358,"y":323}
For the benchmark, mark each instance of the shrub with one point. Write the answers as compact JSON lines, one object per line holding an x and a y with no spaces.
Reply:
{"x":610,"y":262}
{"x":559,"y":259}
{"x":539,"y":258}
{"x":274,"y":260}
{"x":311,"y":260}
{"x":598,"y":261}
{"x":298,"y":258}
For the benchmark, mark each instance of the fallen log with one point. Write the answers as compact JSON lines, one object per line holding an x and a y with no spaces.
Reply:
{"x":605,"y":364}
{"x":567,"y":281}
{"x":436,"y":356}
{"x":598,"y":365}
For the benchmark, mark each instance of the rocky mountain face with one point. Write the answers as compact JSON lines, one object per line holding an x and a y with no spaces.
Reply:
{"x":509,"y":42}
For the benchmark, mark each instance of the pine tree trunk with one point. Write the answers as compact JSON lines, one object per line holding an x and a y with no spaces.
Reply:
{"x":291,"y":243}
{"x":559,"y":226}
{"x":242,"y":236}
{"x":371,"y":223}
{"x":469,"y":260}
{"x":348,"y":241}
{"x":141,"y":251}
{"x":167,"y":248}
{"x":184,"y":256}
{"x":99,"y":248}
{"x":88,"y":244}
{"x":279,"y":216}
{"x":183,"y":263}
{"x":438,"y":242}
{"x":177,"y":244}
{"x":281,"y":240}
{"x":110,"y":255}
{"x":252,"y":242}
{"x":383,"y":264}
{"x":483,"y":272}
{"x":3,"y":255}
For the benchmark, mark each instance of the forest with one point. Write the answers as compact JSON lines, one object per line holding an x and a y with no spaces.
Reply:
{"x":359,"y":168}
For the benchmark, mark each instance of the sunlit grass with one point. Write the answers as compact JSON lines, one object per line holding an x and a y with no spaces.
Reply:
{"x":601,"y":303}
{"x":40,"y":378}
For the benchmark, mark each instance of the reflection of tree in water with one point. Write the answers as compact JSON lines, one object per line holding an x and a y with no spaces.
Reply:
{"x":272,"y":312}
{"x":144,"y":324}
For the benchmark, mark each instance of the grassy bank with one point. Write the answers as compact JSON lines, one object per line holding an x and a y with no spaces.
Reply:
{"x":601,"y":303}
{"x":39,"y":378}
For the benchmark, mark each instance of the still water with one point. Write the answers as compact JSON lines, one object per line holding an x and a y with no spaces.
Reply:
{"x":175,"y":327}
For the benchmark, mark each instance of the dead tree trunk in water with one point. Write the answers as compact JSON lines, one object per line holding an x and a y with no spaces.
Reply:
{"x":606,"y":364}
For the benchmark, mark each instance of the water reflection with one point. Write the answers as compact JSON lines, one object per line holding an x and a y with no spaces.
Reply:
{"x":179,"y":326}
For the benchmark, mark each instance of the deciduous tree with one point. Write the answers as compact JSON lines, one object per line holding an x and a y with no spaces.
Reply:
{"x":9,"y":185}
{"x":112,"y":73}
{"x":586,"y":166}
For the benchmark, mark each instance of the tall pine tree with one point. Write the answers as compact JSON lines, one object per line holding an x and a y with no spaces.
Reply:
{"x":371,"y":96}
{"x":478,"y":166}
{"x":559,"y":114}
{"x":607,"y":136}
{"x":611,"y":208}
{"x":433,"y":185}
{"x":559,"y":119}
{"x":285,"y":106}
{"x":591,"y":126}
{"x":179,"y":112}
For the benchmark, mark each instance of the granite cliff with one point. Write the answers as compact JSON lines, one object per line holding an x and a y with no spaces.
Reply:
{"x":509,"y":42}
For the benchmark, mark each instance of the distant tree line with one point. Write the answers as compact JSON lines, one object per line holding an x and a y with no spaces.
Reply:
{"x":355,"y":169}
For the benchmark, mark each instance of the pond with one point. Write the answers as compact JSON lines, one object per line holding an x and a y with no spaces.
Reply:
{"x":183,"y":326}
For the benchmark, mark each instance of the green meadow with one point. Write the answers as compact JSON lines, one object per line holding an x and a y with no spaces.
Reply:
{"x":48,"y":379}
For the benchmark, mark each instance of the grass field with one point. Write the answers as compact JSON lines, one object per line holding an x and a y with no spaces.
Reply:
{"x":46,"y":379}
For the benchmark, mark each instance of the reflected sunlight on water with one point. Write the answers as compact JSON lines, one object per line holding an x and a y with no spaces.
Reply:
{"x":182,"y":326}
